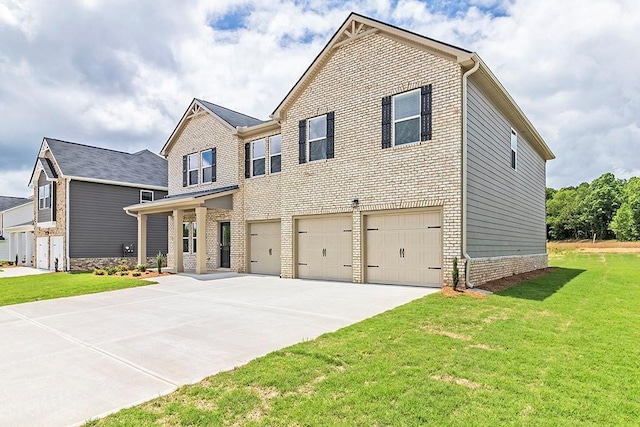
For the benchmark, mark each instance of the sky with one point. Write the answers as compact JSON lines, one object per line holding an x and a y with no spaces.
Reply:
{"x":120,"y":73}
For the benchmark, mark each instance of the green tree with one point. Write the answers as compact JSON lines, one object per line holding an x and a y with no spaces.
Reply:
{"x":626,"y":221}
{"x":601,"y":204}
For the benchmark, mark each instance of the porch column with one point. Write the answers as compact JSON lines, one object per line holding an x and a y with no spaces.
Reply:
{"x":177,"y":240}
{"x":201,"y":240}
{"x":142,"y":239}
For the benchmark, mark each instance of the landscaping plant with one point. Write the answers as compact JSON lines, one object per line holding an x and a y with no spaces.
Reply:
{"x":160,"y":261}
{"x":456,"y":273}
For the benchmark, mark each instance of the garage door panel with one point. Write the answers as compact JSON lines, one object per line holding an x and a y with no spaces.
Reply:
{"x":404,"y":248}
{"x":324,"y":248}
{"x":265,"y":248}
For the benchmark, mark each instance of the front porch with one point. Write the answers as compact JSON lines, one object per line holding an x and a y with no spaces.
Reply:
{"x":21,"y":243}
{"x":199,"y":230}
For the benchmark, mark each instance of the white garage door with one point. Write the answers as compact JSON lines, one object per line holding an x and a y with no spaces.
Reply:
{"x":57,"y":253}
{"x":265,"y":248}
{"x":404,"y":248}
{"x":324,"y":248}
{"x":42,"y":252}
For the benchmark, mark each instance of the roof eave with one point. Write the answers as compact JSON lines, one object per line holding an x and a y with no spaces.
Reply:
{"x":248,"y":131}
{"x":165,"y":205}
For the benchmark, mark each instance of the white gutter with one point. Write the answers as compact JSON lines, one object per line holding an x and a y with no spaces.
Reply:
{"x":67,"y":239}
{"x":465,"y":76}
{"x":119,"y":183}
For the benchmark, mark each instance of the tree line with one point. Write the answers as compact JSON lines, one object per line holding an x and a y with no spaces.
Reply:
{"x":606,"y":208}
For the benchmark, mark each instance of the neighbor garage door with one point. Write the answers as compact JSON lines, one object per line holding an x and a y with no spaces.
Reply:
{"x":404,"y":248}
{"x":324,"y":248}
{"x":265,"y":248}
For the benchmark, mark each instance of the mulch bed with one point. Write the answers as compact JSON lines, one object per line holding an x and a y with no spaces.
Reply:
{"x":507,"y":282}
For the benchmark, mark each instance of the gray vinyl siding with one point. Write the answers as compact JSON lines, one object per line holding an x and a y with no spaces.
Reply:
{"x":98,"y":226}
{"x":505,"y":207}
{"x":45,"y":215}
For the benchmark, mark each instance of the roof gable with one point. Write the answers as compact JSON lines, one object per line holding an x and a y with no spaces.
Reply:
{"x":229,"y":118}
{"x":355,"y":27}
{"x":90,"y":163}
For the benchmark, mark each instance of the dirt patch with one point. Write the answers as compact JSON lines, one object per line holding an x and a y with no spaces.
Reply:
{"x":507,"y":282}
{"x":459,"y":381}
{"x":449,"y":292}
{"x":598,"y":246}
{"x":145,"y":275}
{"x":454,"y":335}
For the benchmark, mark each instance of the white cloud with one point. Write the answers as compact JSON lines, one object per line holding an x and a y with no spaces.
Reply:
{"x":120,"y":74}
{"x":14,"y":182}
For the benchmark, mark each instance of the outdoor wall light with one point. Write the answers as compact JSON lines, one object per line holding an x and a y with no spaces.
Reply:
{"x":355,"y":203}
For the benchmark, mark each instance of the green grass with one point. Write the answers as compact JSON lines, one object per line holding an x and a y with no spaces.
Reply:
{"x":15,"y":290}
{"x":563,"y":349}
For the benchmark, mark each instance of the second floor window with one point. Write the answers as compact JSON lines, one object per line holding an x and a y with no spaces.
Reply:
{"x":316,"y":138}
{"x":193,"y":168}
{"x":275,"y":153}
{"x":208,"y":165}
{"x":44,"y":196}
{"x":406,"y":118}
{"x":514,"y":148}
{"x":258,"y":157}
{"x":146,"y":196}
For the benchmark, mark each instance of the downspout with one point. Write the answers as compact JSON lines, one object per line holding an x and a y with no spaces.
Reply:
{"x":68,"y":234}
{"x":465,"y":76}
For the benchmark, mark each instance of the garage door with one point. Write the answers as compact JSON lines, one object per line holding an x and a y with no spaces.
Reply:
{"x":265,"y":248}
{"x":404,"y":248}
{"x":42,"y":252}
{"x":324,"y":248}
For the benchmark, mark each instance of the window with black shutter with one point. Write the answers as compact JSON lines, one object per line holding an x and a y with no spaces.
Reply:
{"x":184,"y":171}
{"x":247,"y":160}
{"x":302,"y":141}
{"x":406,"y":117}
{"x":317,"y":138}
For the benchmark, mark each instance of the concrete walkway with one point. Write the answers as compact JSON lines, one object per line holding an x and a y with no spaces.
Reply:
{"x":65,"y":361}
{"x":20,"y":271}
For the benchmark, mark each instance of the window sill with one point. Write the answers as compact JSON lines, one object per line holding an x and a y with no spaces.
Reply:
{"x":410,"y":144}
{"x":317,"y":161}
{"x":48,"y":224}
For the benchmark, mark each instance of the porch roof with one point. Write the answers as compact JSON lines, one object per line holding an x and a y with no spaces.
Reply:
{"x":181,"y":201}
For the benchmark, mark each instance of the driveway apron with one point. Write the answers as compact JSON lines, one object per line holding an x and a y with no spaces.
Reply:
{"x":65,"y":361}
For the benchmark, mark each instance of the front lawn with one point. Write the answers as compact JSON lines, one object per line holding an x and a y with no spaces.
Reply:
{"x":562,"y":349}
{"x":15,"y":290}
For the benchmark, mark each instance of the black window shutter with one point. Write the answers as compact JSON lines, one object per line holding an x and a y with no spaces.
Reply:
{"x":247,"y":160}
{"x":302,"y":141}
{"x":386,"y":122}
{"x":330,"y":132}
{"x":425,"y":113}
{"x":184,"y":171}
{"x":214,"y":164}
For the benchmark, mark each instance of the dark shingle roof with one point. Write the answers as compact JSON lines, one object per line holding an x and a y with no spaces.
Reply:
{"x":8,"y":202}
{"x":234,"y":118}
{"x":84,"y":161}
{"x":47,"y":167}
{"x":201,"y":193}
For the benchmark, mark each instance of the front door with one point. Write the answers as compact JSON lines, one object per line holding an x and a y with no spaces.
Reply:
{"x":225,"y":244}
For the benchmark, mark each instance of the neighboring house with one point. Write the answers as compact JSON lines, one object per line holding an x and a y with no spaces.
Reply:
{"x":16,"y":229}
{"x":391,"y":156}
{"x":79,"y":192}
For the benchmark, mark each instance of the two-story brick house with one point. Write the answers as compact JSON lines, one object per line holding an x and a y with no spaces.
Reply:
{"x":391,"y":156}
{"x":78,"y":195}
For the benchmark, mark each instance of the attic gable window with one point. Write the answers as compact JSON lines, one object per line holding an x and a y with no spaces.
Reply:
{"x":146,"y":196}
{"x":44,"y":197}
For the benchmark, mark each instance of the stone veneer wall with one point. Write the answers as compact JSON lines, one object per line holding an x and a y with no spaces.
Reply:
{"x":486,"y":269}
{"x":88,"y":264}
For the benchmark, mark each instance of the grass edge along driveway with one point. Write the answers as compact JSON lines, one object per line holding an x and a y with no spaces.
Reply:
{"x":16,"y":290}
{"x":558,"y":350}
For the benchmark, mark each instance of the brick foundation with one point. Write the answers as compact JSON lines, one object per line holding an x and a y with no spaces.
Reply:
{"x":486,"y":269}
{"x":89,"y":264}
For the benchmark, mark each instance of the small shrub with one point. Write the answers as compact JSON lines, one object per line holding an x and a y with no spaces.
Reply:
{"x":55,"y":264}
{"x":141,"y":267}
{"x":124,"y":266}
{"x":123,"y":273}
{"x":160,"y":261}
{"x":136,"y":274}
{"x":17,"y":260}
{"x":456,"y":273}
{"x":99,"y":272}
{"x":9,"y":262}
{"x":111,"y":270}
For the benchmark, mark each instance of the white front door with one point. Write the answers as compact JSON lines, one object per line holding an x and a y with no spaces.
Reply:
{"x":56,"y":253}
{"x":42,"y":252}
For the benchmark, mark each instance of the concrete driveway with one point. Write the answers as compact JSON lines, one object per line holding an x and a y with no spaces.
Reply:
{"x":65,"y":361}
{"x":20,"y":271}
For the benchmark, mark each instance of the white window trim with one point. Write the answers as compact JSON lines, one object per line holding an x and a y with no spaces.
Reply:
{"x":309,"y":140}
{"x":193,"y":235}
{"x":197,"y":169}
{"x":394,"y":121}
{"x":513,"y":160}
{"x":258,"y":158}
{"x":147,"y":191}
{"x":188,"y":237}
{"x":42,"y":200}
{"x":276,"y":154}
{"x":203,"y":167}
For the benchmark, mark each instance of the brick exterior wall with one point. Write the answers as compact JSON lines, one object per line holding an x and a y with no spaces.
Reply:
{"x":352,"y":82}
{"x":487,"y":269}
